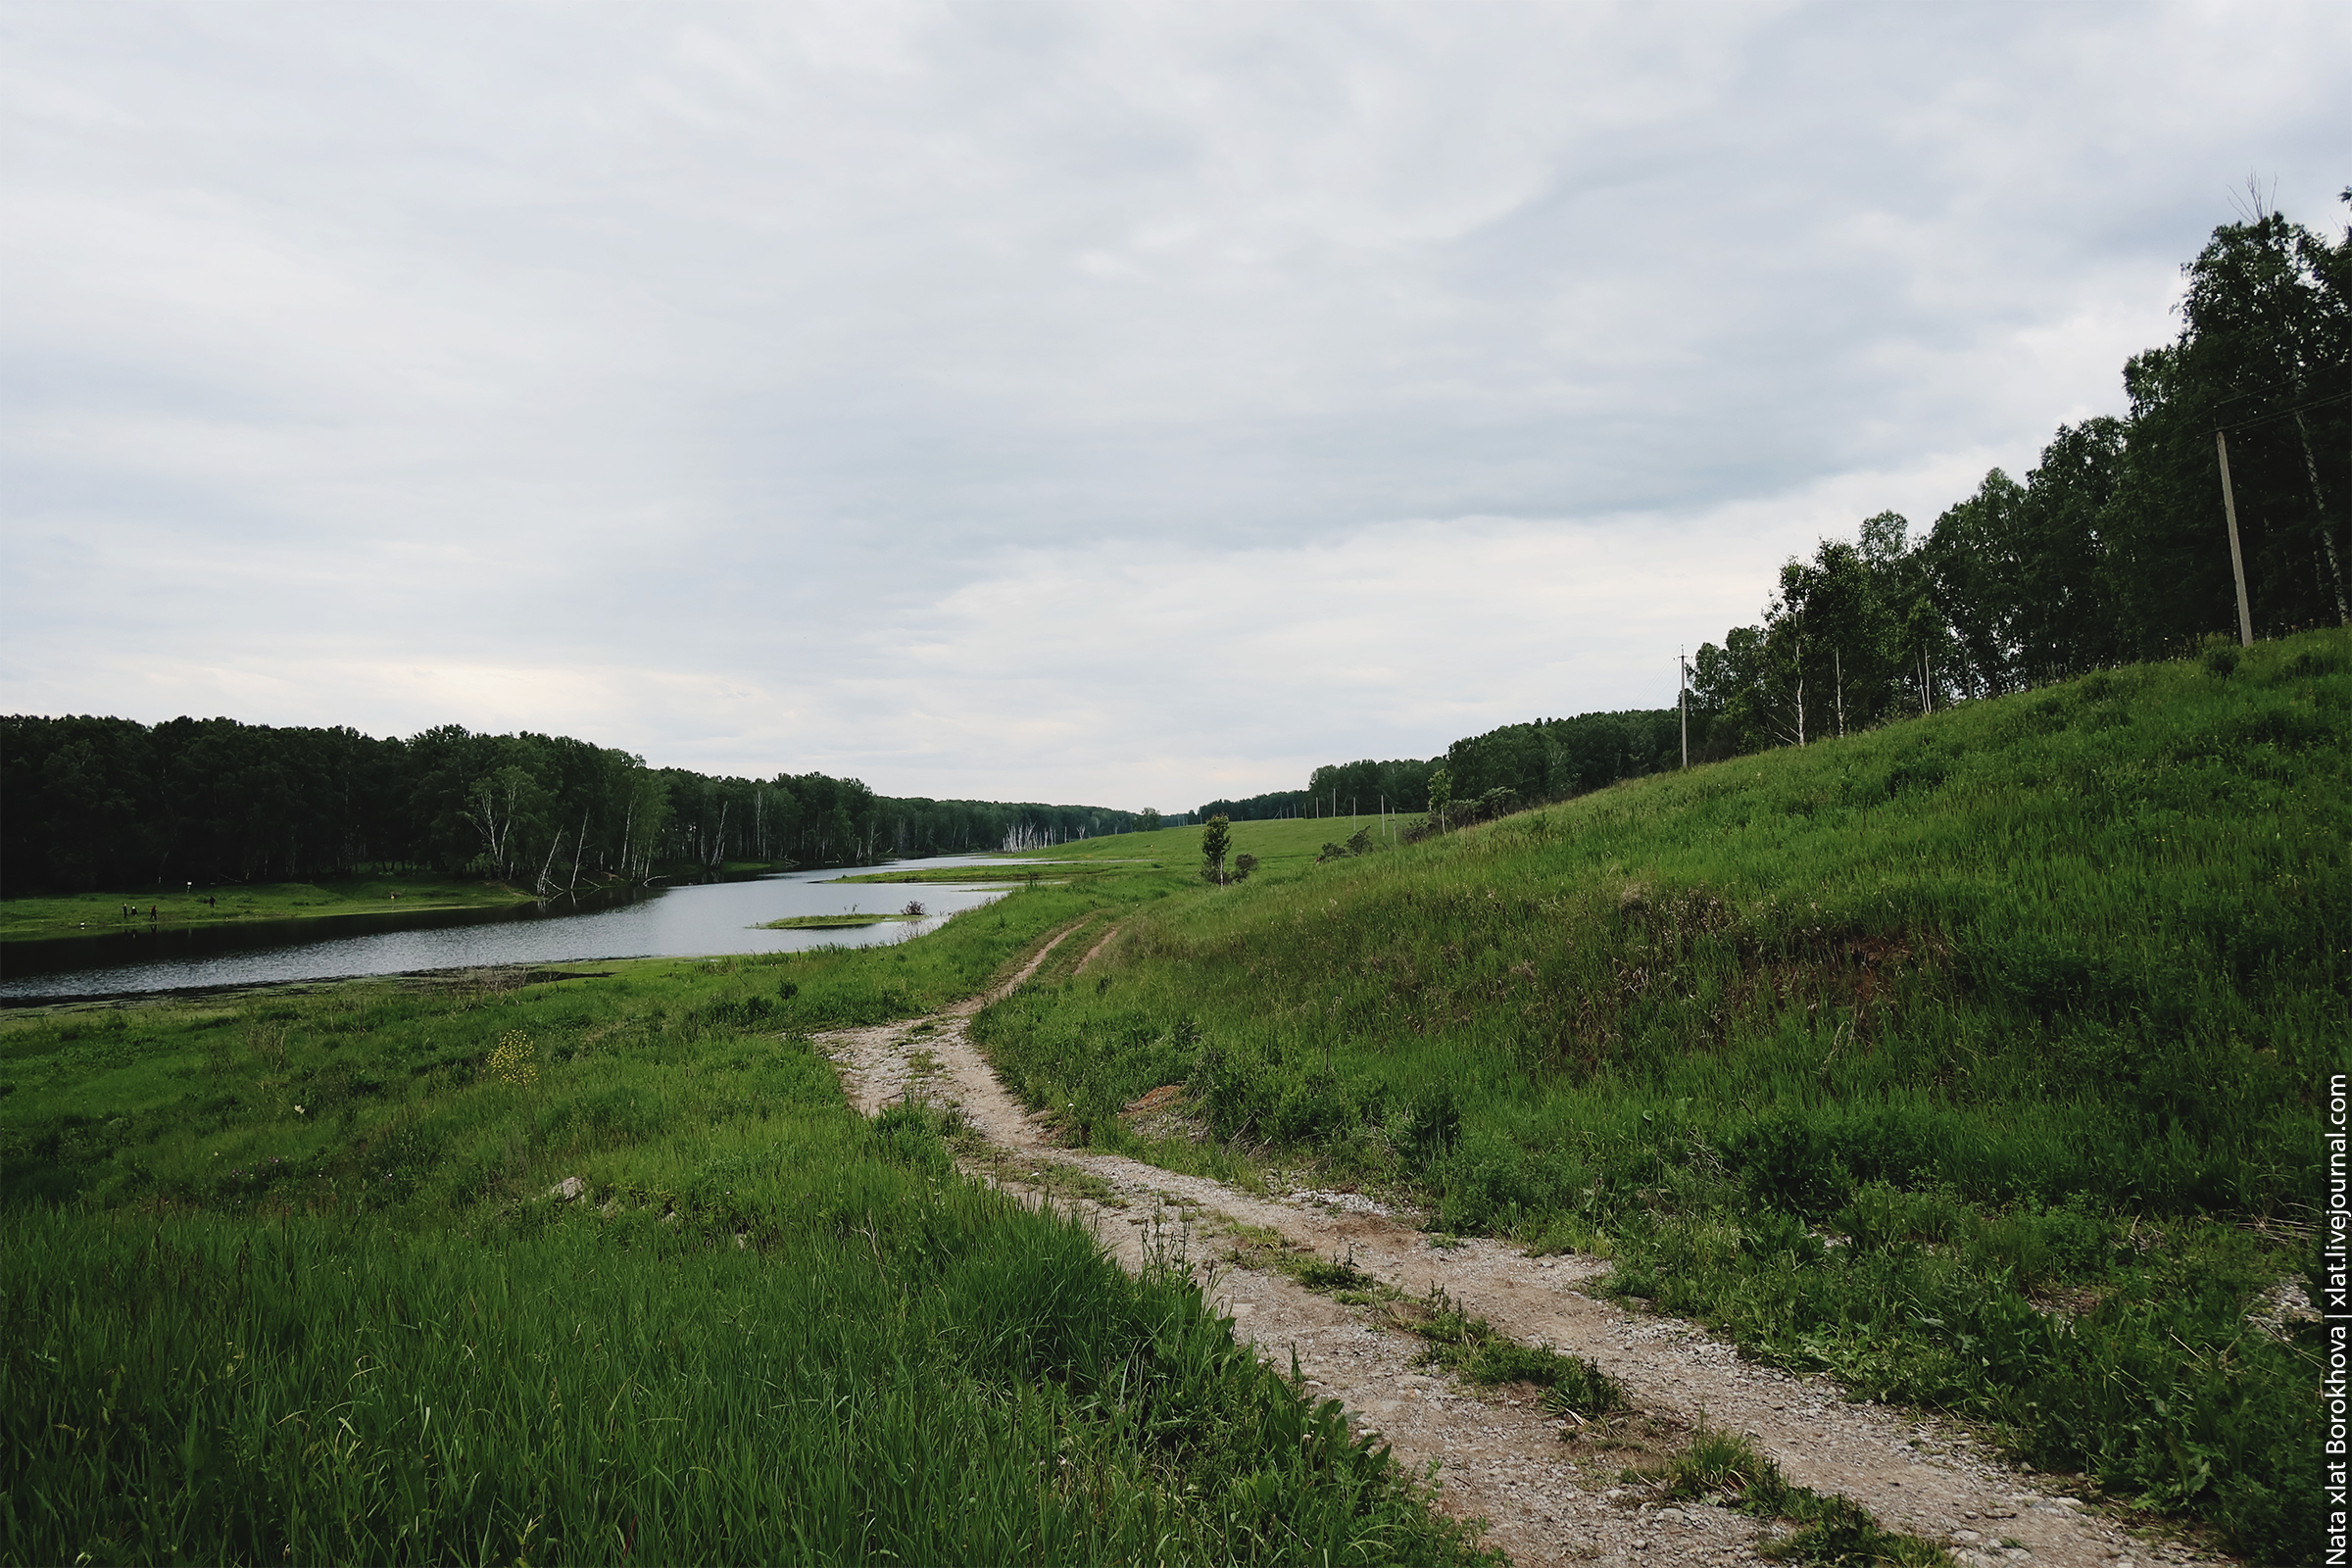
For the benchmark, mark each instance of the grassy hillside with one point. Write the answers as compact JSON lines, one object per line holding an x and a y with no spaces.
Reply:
{"x":1279,"y":845}
{"x":286,"y":1280}
{"x":1975,"y":1059}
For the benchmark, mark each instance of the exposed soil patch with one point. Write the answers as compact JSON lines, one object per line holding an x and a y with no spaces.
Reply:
{"x":1096,"y":947}
{"x":1551,"y":1488}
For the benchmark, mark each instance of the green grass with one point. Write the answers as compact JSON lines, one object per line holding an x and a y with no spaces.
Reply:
{"x":1470,"y":1346}
{"x":1278,"y":845}
{"x":81,"y":915}
{"x":1721,"y":1467}
{"x":1257,"y":1247}
{"x":288,"y":1279}
{"x":830,"y":922}
{"x":1976,"y":1059}
{"x":1010,"y":871}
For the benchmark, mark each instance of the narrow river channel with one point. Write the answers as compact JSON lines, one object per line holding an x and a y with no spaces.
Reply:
{"x":670,"y":923}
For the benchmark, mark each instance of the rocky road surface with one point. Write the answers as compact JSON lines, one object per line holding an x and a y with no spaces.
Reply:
{"x":1498,"y":1457}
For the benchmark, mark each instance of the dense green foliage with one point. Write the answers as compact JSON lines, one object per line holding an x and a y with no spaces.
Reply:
{"x":1975,"y":1058}
{"x":110,"y":803}
{"x":1557,"y":759}
{"x":1346,"y":789}
{"x":1548,"y":759}
{"x":286,"y":1280}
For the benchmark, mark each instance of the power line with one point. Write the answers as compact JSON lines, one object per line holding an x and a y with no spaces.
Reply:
{"x":2282,"y":413}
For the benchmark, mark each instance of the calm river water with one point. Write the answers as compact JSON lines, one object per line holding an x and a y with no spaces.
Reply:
{"x":670,"y":923}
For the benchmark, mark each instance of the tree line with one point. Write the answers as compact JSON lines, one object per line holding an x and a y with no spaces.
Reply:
{"x":1343,"y":789}
{"x":1543,"y":760}
{"x":2112,"y":548}
{"x":89,"y":803}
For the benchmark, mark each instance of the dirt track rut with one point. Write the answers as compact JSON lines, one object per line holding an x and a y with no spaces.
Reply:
{"x":1498,"y":1457}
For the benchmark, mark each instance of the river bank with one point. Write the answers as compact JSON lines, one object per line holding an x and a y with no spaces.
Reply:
{"x":190,"y":906}
{"x":45,"y":917}
{"x":727,"y":912}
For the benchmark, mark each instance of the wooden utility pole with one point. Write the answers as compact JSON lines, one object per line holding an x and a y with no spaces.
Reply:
{"x":2237,"y":560}
{"x":1685,"y":701}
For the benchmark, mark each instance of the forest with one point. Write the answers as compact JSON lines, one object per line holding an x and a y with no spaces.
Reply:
{"x":1342,"y":790}
{"x":111,"y":803}
{"x":2114,"y":548}
{"x":1546,"y":760}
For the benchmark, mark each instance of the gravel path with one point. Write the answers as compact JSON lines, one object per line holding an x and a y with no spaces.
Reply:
{"x":1500,"y":1457}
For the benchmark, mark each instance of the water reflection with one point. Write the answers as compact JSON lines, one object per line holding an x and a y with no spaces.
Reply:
{"x":673,"y":922}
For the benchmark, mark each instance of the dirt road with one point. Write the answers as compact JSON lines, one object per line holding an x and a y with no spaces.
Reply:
{"x":1500,"y":1457}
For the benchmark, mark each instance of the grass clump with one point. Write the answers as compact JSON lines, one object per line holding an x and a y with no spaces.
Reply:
{"x":1332,"y":1274}
{"x":1721,"y":1467}
{"x":830,"y":922}
{"x":1470,"y":1348}
{"x":1258,"y":1246}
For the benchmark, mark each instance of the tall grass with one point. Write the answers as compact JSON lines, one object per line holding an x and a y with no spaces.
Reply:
{"x":2027,"y":1003}
{"x":287,"y":1280}
{"x":905,"y":1366}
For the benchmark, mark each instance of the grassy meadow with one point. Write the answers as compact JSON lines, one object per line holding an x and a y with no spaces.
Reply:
{"x":81,"y":915}
{"x":1976,"y":1059}
{"x":604,"y":1268}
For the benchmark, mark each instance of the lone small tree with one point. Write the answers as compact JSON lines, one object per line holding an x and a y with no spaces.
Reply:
{"x":1216,"y":839}
{"x":1441,"y":796}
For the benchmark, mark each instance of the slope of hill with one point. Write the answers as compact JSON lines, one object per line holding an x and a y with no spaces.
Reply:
{"x":1980,"y":1058}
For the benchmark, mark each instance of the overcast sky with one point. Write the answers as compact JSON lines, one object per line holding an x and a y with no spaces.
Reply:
{"x":1102,"y":403}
